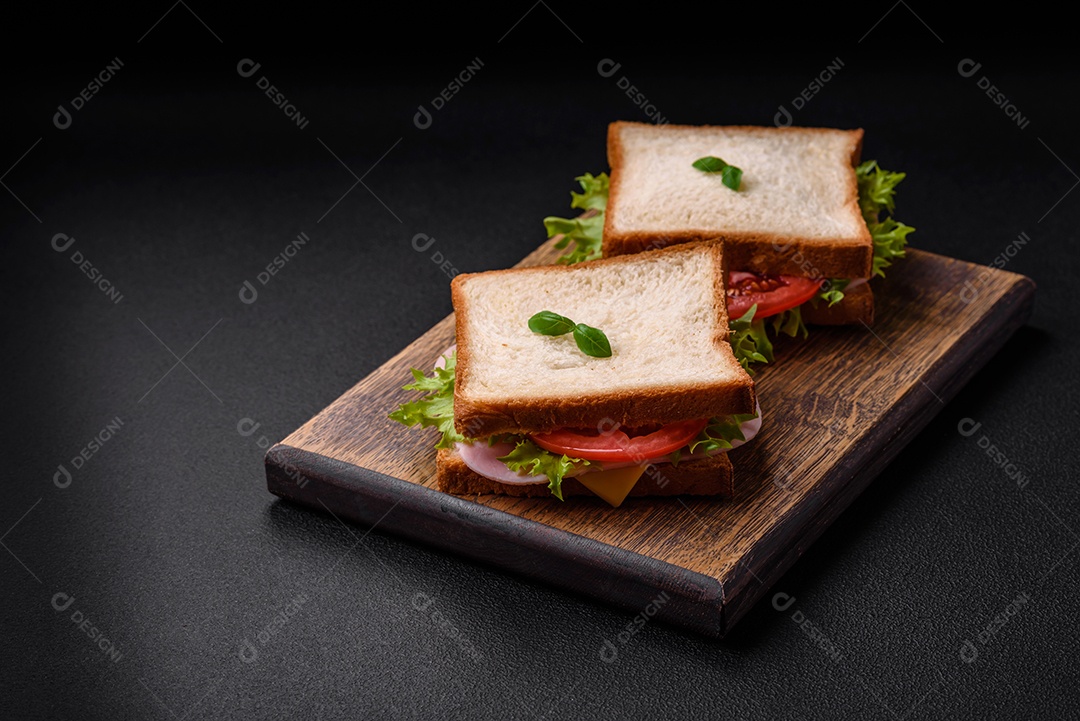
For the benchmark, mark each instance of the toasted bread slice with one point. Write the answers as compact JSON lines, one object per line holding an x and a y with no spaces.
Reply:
{"x":710,"y":476}
{"x":857,"y":306}
{"x":664,"y":313}
{"x":796,"y":212}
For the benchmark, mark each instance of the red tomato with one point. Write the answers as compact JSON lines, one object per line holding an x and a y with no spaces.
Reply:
{"x":617,"y":444}
{"x":772,"y":293}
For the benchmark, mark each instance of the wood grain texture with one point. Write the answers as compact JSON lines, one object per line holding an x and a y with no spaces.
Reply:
{"x":837,"y":408}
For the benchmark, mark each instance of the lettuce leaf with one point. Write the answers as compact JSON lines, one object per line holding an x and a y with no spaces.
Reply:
{"x":877,"y":195}
{"x":833,"y":291}
{"x":585,"y":233}
{"x":750,"y":340}
{"x":720,"y":433}
{"x":890,"y":237}
{"x":596,"y":189}
{"x":530,"y":458}
{"x":436,"y":407}
{"x":790,"y":323}
{"x":877,"y":189}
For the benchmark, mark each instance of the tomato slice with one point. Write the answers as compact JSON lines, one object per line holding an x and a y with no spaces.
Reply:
{"x":772,"y":293}
{"x":617,"y":444}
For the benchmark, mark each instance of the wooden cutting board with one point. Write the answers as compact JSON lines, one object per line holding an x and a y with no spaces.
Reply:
{"x":836,"y":407}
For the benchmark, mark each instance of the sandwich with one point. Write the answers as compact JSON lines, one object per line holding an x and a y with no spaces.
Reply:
{"x":805,"y":224}
{"x":612,"y":378}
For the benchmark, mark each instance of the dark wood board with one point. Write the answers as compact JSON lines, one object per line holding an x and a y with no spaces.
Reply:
{"x":837,"y":407}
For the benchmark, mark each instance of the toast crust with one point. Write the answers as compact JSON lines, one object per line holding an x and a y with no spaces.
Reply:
{"x":760,"y":252}
{"x":710,"y":476}
{"x":479,"y":419}
{"x":856,"y":307}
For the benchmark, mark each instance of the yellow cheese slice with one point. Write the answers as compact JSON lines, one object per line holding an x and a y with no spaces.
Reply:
{"x":614,"y":485}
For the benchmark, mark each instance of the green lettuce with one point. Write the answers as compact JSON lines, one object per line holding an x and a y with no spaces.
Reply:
{"x":890,"y":238}
{"x":750,"y":340}
{"x":877,"y":189}
{"x":436,"y":407}
{"x":720,"y":432}
{"x":585,"y":233}
{"x":877,"y":196}
{"x":833,"y":291}
{"x":533,"y":460}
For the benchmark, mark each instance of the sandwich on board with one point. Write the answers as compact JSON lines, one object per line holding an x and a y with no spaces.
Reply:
{"x":794,"y":217}
{"x":804,"y":223}
{"x":613,"y":377}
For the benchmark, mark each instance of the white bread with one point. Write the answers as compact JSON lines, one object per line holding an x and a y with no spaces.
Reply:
{"x":664,"y":313}
{"x":796,"y":213}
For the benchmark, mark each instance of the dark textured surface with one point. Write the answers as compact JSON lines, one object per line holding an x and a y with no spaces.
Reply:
{"x":180,"y":181}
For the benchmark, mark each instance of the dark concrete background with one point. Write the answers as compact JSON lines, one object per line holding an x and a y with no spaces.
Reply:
{"x":180,"y":180}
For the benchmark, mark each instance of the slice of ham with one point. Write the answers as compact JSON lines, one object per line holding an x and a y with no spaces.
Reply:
{"x":484,"y":460}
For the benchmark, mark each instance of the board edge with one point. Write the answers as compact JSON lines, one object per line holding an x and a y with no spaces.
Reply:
{"x":944,"y":380}
{"x":627,"y":580}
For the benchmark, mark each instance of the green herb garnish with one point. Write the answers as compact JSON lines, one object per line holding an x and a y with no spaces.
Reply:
{"x":547,"y":323}
{"x":590,"y":341}
{"x":729,"y":174}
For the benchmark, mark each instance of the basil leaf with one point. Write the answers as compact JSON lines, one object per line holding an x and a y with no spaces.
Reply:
{"x":731,"y":177}
{"x":710,"y":164}
{"x":547,"y":323}
{"x":729,"y":174}
{"x":592,"y":341}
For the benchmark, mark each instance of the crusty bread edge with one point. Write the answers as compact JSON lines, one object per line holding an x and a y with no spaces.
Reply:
{"x":475,"y":419}
{"x":758,"y":252}
{"x":711,"y":476}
